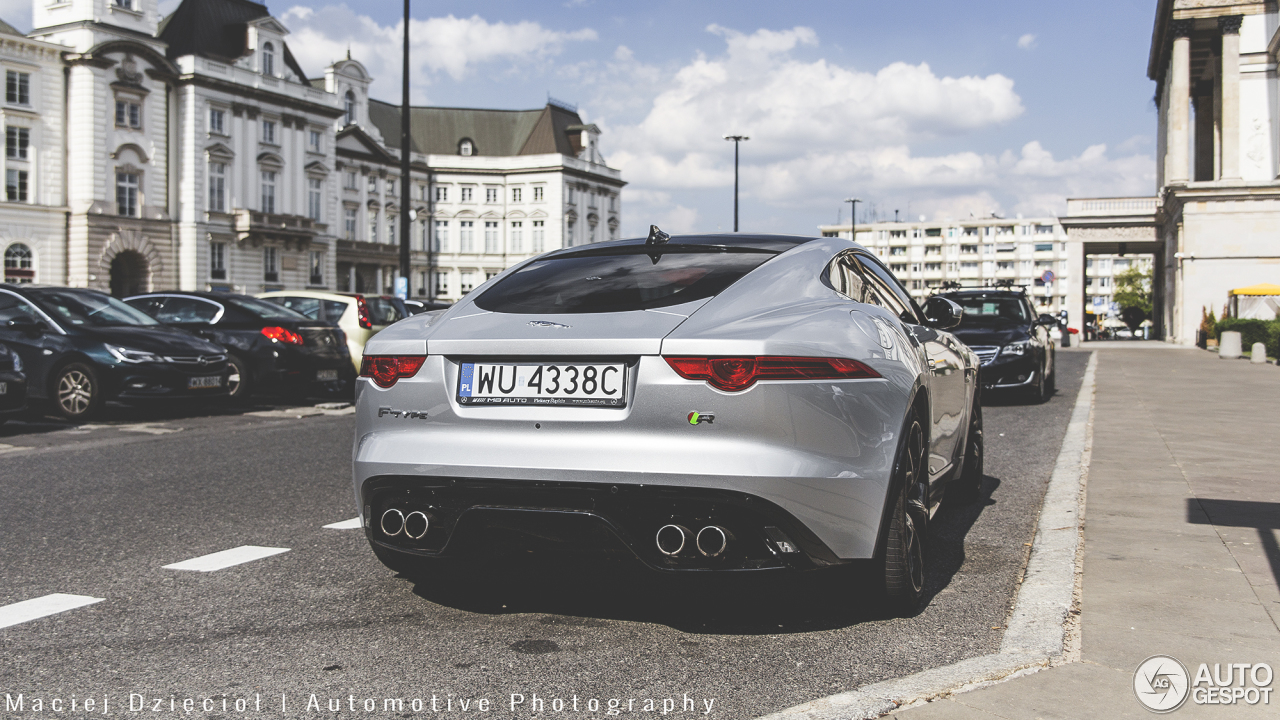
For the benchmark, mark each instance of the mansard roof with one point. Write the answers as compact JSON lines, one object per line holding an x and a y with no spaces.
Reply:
{"x":7,"y":29}
{"x":439,"y":130}
{"x":217,"y":29}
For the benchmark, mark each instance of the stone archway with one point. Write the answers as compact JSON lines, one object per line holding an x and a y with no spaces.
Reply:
{"x":130,"y":274}
{"x":131,"y":242}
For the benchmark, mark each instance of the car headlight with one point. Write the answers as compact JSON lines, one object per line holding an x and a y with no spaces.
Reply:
{"x":17,"y":362}
{"x":1016,"y":348}
{"x":129,"y":355}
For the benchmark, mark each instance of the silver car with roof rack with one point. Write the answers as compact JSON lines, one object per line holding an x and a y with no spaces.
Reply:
{"x":707,"y":403}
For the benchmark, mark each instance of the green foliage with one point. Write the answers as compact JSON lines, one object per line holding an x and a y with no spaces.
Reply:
{"x":1251,"y":331}
{"x":1133,"y":295}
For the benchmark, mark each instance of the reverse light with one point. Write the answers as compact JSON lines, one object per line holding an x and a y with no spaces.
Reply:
{"x":385,"y":370}
{"x":284,"y":335}
{"x":362,"y":312}
{"x":735,"y":374}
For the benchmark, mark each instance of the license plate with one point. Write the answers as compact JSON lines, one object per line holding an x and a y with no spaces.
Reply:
{"x":326,"y":375}
{"x":208,"y":381}
{"x":603,"y":385}
{"x":4,"y":388}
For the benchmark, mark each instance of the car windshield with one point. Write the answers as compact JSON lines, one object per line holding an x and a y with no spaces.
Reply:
{"x":265,"y":310}
{"x":597,"y":283}
{"x":382,"y":311}
{"x":984,"y":310}
{"x":85,"y":307}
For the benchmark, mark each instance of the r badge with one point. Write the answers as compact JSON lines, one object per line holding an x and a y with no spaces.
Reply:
{"x":697,"y":418}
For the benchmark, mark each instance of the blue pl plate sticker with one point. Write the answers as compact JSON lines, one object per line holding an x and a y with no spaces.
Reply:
{"x":464,"y":385}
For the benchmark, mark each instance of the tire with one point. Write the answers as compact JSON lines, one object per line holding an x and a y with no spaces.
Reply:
{"x":899,"y":572}
{"x":967,"y":487}
{"x":77,"y":394}
{"x":1039,"y":392}
{"x":1053,"y":377}
{"x":239,"y":380}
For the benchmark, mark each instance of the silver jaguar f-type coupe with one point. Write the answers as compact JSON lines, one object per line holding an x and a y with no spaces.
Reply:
{"x":712,"y":403}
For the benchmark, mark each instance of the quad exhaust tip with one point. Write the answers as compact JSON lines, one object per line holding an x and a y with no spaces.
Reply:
{"x":713,"y":540}
{"x":392,"y":522}
{"x":672,"y":539}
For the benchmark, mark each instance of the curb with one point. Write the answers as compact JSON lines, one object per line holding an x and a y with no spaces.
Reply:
{"x":1036,"y":629}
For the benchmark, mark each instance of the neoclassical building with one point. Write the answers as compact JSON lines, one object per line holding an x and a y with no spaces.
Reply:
{"x":200,"y":155}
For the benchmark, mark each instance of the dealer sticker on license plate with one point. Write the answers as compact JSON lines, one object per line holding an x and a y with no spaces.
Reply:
{"x":207,"y":381}
{"x":326,"y":375}
{"x":603,"y":385}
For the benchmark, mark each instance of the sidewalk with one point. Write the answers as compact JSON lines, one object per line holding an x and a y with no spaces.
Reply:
{"x":1180,"y":541}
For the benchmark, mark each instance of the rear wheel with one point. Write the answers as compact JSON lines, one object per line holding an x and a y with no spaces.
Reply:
{"x":77,"y":392}
{"x":900,"y":570}
{"x":967,"y":488}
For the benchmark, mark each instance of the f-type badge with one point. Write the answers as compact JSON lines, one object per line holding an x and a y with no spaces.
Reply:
{"x":697,"y":418}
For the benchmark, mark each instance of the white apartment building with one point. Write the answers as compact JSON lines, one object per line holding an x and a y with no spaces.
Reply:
{"x":199,"y":155}
{"x":33,"y":207}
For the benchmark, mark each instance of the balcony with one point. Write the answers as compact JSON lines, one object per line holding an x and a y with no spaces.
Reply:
{"x":255,"y":227}
{"x":1094,"y":207}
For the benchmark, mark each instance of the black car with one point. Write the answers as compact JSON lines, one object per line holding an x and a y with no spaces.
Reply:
{"x":269,"y":347}
{"x":1013,"y":344}
{"x":80,"y":348}
{"x":13,"y":384}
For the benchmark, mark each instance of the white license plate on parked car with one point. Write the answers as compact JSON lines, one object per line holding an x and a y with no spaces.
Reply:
{"x":207,"y":381}
{"x":326,"y":375}
{"x":603,"y":385}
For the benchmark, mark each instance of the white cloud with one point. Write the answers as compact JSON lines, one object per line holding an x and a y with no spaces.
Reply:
{"x":1027,"y":42}
{"x":450,"y":45}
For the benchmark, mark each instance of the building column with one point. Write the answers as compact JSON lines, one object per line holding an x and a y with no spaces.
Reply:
{"x":1230,"y":27}
{"x":1176,"y":164}
{"x":351,"y":278}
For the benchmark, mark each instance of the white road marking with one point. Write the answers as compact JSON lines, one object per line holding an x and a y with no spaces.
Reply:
{"x":351,"y":524}
{"x":36,"y":608}
{"x":10,"y":448}
{"x":146,"y":428}
{"x":226,"y":558}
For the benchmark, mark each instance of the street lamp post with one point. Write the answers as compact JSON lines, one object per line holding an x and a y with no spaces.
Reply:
{"x":853,"y":217}
{"x":405,"y":185}
{"x":736,"y":140}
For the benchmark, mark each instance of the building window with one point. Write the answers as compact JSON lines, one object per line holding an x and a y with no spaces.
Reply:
{"x":217,"y":187}
{"x":123,"y":4}
{"x":128,"y":114}
{"x":466,"y":236}
{"x":315,"y":188}
{"x":466,"y":148}
{"x":537,"y":193}
{"x":17,"y":88}
{"x":442,"y":193}
{"x":217,"y":261}
{"x":350,"y":217}
{"x":466,"y":194}
{"x":441,"y":239}
{"x":270,"y":270}
{"x":391,"y":226}
{"x":268,"y":191}
{"x":269,"y":132}
{"x":15,"y":185}
{"x":313,"y":140}
{"x":217,"y":121}
{"x":373,"y":185}
{"x":349,"y":107}
{"x":16,"y":142}
{"x":349,"y":180}
{"x":442,"y":283}
{"x":268,"y":59}
{"x":515,"y":195}
{"x":491,"y":195}
{"x":317,"y":268}
{"x":18,"y":264}
{"x":467,"y":282}
{"x":491,"y":242}
{"x":391,"y":188}
{"x":373,"y":225}
{"x":517,"y":236}
{"x":127,"y":194}
{"x":537,"y":234}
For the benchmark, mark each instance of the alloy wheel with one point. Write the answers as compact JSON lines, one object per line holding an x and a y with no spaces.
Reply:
{"x":75,"y":392}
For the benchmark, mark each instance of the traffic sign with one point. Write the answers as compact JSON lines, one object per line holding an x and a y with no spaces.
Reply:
{"x":1048,"y":276}
{"x":402,"y":287}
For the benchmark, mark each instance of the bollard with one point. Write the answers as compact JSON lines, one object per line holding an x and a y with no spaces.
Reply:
{"x":1259,"y":354}
{"x":1229,"y":345}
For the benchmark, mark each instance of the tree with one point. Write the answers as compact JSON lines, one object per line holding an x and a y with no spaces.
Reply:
{"x":1133,"y":295}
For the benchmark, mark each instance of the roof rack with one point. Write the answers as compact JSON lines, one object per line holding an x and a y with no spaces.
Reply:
{"x":953,"y":285}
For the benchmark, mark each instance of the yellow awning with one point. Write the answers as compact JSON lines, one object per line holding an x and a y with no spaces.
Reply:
{"x":1259,"y":289}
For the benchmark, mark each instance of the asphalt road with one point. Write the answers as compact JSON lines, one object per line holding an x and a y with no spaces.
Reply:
{"x":99,"y":511}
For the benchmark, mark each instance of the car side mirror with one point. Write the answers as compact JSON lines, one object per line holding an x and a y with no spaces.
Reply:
{"x":942,"y":313}
{"x":28,"y":325}
{"x":1048,"y":320}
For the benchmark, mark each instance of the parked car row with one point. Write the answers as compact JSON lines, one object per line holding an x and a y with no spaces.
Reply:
{"x":74,"y":349}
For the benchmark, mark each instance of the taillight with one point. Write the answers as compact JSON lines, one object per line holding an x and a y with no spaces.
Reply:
{"x":386,"y":370}
{"x":284,"y":335}
{"x":362,"y":308}
{"x":734,"y":374}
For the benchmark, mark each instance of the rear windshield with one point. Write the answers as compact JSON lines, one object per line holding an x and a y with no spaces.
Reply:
{"x":617,"y":282}
{"x":265,"y":310}
{"x":982,"y":311}
{"x":382,"y":311}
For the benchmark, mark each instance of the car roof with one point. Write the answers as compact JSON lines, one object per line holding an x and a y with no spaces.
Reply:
{"x":319,"y":294}
{"x":729,"y":241}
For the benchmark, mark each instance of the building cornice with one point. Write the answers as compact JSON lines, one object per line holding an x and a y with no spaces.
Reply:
{"x":1170,"y":11}
{"x":259,"y":95}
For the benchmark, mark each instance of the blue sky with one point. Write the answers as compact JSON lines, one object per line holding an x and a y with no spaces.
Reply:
{"x":944,"y":109}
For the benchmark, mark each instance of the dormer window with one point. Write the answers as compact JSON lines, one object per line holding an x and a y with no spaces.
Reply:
{"x":466,"y":148}
{"x":349,"y":107}
{"x":268,"y":59}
